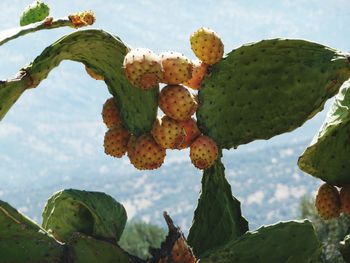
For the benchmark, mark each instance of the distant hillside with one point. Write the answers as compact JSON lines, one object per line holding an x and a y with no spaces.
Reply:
{"x":266,"y":180}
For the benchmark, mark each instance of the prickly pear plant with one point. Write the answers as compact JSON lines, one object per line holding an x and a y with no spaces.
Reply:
{"x":256,"y":91}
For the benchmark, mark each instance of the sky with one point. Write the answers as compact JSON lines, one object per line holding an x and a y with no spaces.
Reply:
{"x":58,"y":124}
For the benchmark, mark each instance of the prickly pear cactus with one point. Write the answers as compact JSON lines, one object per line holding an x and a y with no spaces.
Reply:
{"x":23,"y":241}
{"x":257,"y":91}
{"x":218,"y":214}
{"x":288,"y":242}
{"x":328,"y":155}
{"x":267,"y":88}
{"x":93,"y":213}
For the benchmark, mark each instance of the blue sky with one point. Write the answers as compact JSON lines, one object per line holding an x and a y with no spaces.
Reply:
{"x":58,"y":125}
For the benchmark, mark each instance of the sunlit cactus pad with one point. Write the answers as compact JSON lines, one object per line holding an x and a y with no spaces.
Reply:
{"x":267,"y":88}
{"x":92,"y":213}
{"x":328,"y":156}
{"x":35,"y":12}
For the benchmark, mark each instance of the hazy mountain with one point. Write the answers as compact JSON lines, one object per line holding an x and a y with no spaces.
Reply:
{"x":266,"y":181}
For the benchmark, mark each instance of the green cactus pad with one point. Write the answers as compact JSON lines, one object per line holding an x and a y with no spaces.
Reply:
{"x":10,"y":91}
{"x":35,"y":12}
{"x":104,"y":54}
{"x":92,"y":213}
{"x":85,"y":249}
{"x":267,"y":88}
{"x":286,"y":242}
{"x":328,"y":156}
{"x":22,"y":241}
{"x":217,"y":217}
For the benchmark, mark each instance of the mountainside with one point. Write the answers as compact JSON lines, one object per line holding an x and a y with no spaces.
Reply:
{"x":266,"y":181}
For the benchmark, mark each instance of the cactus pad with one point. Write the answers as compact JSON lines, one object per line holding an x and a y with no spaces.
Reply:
{"x":104,"y":54}
{"x":85,"y":249}
{"x":328,"y":155}
{"x":92,"y":213}
{"x":287,"y":242}
{"x":35,"y":12}
{"x":267,"y":88}
{"x":22,"y":241}
{"x":217,"y":218}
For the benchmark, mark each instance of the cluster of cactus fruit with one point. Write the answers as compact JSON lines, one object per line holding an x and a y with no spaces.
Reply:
{"x":177,"y":129}
{"x":256,"y":91}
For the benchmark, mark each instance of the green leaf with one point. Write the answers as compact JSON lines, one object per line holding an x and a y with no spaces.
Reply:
{"x":92,"y":213}
{"x":267,"y":88}
{"x":85,"y":249}
{"x":104,"y":54}
{"x":23,"y":241}
{"x":328,"y":155}
{"x":285,"y":242}
{"x":217,"y":218}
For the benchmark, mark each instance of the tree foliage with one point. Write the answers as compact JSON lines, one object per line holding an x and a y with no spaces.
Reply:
{"x":139,"y":236}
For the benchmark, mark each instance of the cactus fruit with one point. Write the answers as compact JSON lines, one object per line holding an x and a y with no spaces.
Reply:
{"x":176,"y":68}
{"x":287,"y":242}
{"x":199,"y":71}
{"x":345,"y":199}
{"x":35,"y":12}
{"x":168,"y":133}
{"x":142,"y":67}
{"x":207,"y":45}
{"x":144,"y":153}
{"x":110,"y":113}
{"x":203,"y":152}
{"x":81,"y":19}
{"x":328,"y":202}
{"x":191,"y":132}
{"x":116,"y":141}
{"x":93,"y":213}
{"x":255,"y":91}
{"x":93,"y":74}
{"x":177,"y":102}
{"x":327,"y":157}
